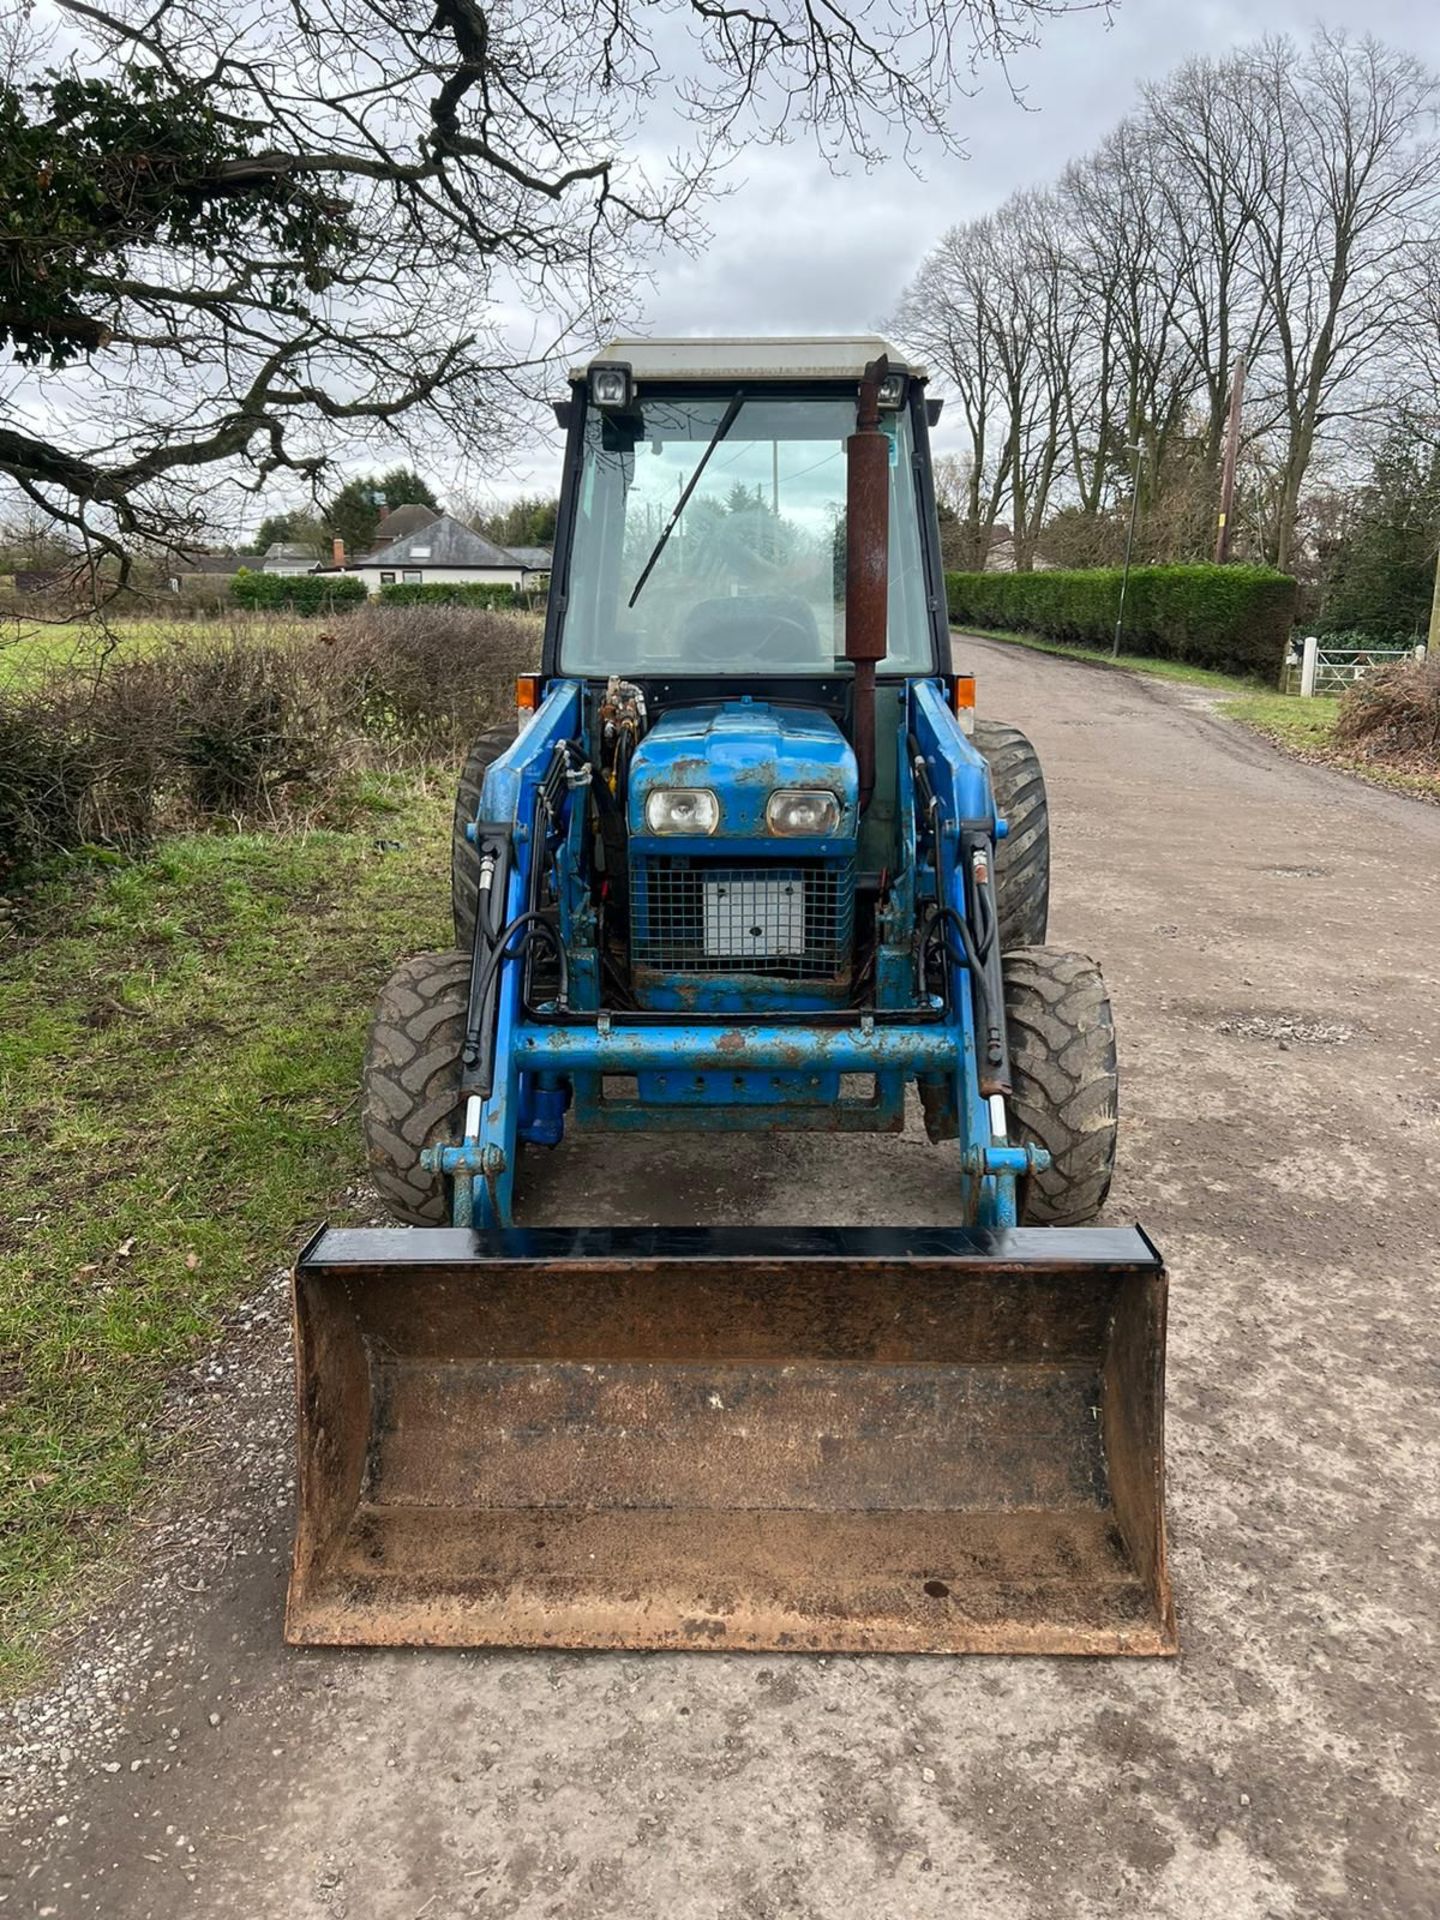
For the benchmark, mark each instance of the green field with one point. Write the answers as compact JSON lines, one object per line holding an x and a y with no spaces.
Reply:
{"x":29,"y":651}
{"x":179,"y":1058}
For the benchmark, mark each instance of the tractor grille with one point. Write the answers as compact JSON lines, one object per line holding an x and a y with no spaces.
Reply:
{"x":794,"y":922}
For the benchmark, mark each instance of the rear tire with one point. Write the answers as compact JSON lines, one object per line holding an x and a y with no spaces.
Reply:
{"x":1022,"y":858}
{"x":1064,"y":1081}
{"x":410,"y":1087}
{"x":464,"y":857}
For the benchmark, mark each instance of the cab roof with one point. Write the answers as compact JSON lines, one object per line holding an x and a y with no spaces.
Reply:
{"x":752,"y":358}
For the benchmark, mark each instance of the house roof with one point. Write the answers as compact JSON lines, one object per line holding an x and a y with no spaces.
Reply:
{"x":442,"y":543}
{"x":537,"y":559}
{"x":402,"y":521}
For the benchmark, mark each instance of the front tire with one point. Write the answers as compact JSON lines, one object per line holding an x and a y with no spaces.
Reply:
{"x":410,"y":1085}
{"x":1064,"y":1081}
{"x":1022,"y":858}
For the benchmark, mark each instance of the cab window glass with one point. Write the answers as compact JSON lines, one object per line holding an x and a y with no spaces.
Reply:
{"x":751,"y":576}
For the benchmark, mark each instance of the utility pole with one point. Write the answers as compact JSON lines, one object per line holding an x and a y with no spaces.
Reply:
{"x":1434,"y":648}
{"x":1129,"y":548}
{"x":1232,"y":455}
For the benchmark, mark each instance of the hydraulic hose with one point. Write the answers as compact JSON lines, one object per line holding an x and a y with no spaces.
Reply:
{"x":980,"y":953}
{"x":479,"y":1056}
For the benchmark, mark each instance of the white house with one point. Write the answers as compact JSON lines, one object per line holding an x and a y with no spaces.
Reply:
{"x":537,"y":562}
{"x":446,"y":551}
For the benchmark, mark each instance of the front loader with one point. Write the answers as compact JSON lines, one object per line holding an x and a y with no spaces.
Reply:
{"x":748,"y":861}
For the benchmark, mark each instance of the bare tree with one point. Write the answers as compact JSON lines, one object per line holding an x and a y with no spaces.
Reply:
{"x":1207,"y":165}
{"x":243,"y":240}
{"x":948,"y":314}
{"x":986,"y":308}
{"x":1121,"y":242}
{"x":1415,"y":381}
{"x":1282,"y":204}
{"x":1029,"y":326}
{"x":1347,"y":193}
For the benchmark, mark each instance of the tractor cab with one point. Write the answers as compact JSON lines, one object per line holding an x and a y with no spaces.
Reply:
{"x":708,"y":527}
{"x":703,"y":568}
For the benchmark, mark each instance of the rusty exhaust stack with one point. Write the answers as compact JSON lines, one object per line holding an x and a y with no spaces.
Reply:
{"x":867,"y":557}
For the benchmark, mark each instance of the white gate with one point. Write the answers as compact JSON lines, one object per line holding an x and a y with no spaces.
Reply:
{"x":1325,"y":669}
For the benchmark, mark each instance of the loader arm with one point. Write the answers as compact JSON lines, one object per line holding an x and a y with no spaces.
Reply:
{"x":481,"y":1166}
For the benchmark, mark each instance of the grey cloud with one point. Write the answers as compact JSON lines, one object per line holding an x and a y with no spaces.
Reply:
{"x":795,"y":248}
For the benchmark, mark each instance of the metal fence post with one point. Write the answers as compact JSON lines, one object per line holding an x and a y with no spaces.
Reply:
{"x":1309,"y":660}
{"x":1129,"y":548}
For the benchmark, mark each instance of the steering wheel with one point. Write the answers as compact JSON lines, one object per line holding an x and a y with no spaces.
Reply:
{"x":763,"y":625}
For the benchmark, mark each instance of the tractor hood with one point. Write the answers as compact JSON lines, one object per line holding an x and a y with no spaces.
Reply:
{"x":743,"y":751}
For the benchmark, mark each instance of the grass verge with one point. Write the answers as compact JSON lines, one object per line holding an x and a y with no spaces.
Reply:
{"x":1132,"y":662}
{"x":1306,"y":728}
{"x":1303,"y":726}
{"x":178,"y":1073}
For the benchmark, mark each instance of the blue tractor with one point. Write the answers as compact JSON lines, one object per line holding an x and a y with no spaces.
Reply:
{"x":747,"y":861}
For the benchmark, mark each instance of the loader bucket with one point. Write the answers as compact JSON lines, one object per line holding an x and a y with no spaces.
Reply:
{"x":857,"y":1440}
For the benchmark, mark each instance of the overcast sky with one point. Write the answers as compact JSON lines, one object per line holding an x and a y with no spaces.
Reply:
{"x":799,"y":251}
{"x":795,"y":249}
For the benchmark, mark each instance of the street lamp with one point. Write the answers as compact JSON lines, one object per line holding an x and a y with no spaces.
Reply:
{"x":1129,"y":547}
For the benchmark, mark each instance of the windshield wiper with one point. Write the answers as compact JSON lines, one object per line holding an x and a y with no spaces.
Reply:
{"x":726,"y":421}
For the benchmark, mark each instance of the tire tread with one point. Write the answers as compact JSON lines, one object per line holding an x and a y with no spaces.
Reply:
{"x":410,"y":1086}
{"x":1022,"y":858}
{"x":1065,"y":1082}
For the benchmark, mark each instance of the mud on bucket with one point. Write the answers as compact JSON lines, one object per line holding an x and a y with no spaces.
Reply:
{"x":863,"y":1440}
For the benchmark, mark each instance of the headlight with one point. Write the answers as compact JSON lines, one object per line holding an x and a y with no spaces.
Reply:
{"x":803,"y":811}
{"x":682,"y":810}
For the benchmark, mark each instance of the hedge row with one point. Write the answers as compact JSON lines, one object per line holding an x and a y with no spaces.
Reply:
{"x":303,"y":593}
{"x":1236,"y":619}
{"x":245,"y":726}
{"x":307,"y":593}
{"x":450,"y":593}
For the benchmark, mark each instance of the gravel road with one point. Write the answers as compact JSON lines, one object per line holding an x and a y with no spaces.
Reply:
{"x":1269,"y":933}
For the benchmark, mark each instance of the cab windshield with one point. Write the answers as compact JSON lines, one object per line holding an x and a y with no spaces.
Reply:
{"x":751,"y":578}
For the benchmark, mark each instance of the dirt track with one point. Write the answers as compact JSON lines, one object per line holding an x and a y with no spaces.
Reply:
{"x":1269,"y":933}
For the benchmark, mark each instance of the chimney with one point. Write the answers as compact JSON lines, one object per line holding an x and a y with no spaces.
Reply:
{"x":384,"y":510}
{"x":337,"y":552}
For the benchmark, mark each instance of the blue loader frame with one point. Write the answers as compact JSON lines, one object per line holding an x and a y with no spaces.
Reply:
{"x":722,"y":1072}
